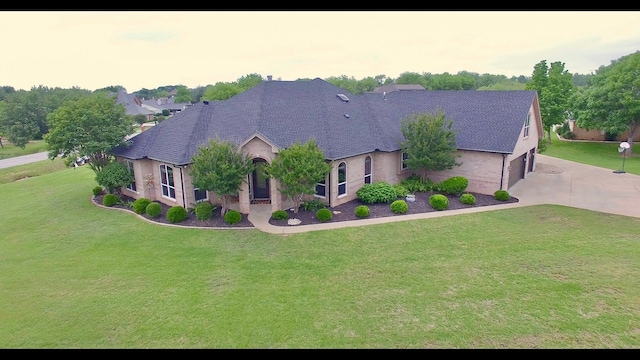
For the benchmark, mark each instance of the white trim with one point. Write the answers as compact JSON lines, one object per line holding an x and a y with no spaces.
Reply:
{"x":403,"y":165}
{"x":167,"y":185}
{"x":370,"y":174}
{"x":527,"y":126}
{"x":345,"y":179}
{"x":206,"y":195}
{"x":130,"y":167}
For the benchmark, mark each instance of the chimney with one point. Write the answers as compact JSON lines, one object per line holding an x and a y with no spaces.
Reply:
{"x":269,"y":77}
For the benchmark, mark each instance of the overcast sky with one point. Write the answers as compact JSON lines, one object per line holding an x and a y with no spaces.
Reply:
{"x":141,"y":49}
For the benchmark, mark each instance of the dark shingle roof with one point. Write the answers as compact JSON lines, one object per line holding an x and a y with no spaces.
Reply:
{"x":284,"y":112}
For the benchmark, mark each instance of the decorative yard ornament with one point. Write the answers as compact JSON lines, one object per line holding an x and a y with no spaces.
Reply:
{"x":622,"y":149}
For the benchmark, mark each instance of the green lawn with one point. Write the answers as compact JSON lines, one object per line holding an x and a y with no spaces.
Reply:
{"x":37,"y":168}
{"x":599,"y":154}
{"x":8,"y":150}
{"x":78,"y":276}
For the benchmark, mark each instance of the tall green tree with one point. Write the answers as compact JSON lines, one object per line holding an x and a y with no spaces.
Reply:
{"x":90,"y":126}
{"x":183,"y":95}
{"x":221,"y":91}
{"x":611,"y":101}
{"x":249,"y":81}
{"x":430,"y":143}
{"x":221,"y":168}
{"x":114,"y":176}
{"x":555,"y":87}
{"x":298,"y":169}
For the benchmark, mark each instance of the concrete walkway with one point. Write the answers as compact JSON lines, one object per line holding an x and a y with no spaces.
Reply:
{"x":24,"y":159}
{"x":555,"y":181}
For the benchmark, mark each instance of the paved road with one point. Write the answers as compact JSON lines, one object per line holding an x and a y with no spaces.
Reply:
{"x":25,"y":159}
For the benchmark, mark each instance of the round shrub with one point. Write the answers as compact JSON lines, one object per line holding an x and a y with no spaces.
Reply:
{"x":110,"y":200}
{"x":362,"y":211}
{"x":280,"y":215}
{"x":232,"y":217}
{"x":468,"y":199}
{"x":140,"y":205}
{"x":324,"y":215}
{"x":501,"y":195}
{"x":439,"y":202}
{"x":454,"y":185}
{"x":399,"y":207}
{"x":176,"y":214}
{"x":377,"y":192}
{"x":97,"y":190}
{"x":204,"y":210}
{"x":154,"y":209}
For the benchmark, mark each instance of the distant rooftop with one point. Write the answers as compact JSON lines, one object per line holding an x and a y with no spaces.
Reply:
{"x":398,"y":87}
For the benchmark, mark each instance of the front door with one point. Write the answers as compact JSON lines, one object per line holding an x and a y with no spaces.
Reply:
{"x":260,"y":181}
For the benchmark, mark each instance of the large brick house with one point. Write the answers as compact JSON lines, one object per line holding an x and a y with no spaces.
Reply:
{"x":497,"y":136}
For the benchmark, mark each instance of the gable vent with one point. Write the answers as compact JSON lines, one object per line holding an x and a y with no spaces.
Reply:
{"x":343,"y":97}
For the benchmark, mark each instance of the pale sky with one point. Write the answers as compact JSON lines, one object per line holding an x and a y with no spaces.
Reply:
{"x":146,"y":49}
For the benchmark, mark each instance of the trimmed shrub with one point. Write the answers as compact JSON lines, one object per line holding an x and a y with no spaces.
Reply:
{"x":324,"y":215}
{"x":313,"y":205}
{"x":399,"y":207}
{"x":377,"y":192}
{"x":232,"y":217}
{"x":439,"y":202}
{"x":454,"y":185}
{"x":176,"y":214}
{"x":97,"y":190}
{"x":468,"y":199}
{"x":140,"y":205}
{"x":414,"y":184}
{"x":204,"y":210}
{"x":501,"y":195}
{"x":110,"y":200}
{"x":280,"y":215}
{"x":401,"y":191}
{"x":153,"y":209}
{"x":362,"y":211}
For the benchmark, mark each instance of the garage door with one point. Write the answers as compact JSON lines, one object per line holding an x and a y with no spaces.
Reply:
{"x":517,"y":169}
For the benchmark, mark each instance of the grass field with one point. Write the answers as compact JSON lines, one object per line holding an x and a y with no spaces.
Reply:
{"x":78,"y":276}
{"x":9,"y":150}
{"x":601,"y":154}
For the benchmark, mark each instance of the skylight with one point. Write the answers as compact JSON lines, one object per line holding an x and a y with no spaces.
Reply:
{"x":343,"y":97}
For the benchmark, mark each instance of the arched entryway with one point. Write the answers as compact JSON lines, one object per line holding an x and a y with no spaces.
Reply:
{"x":259,"y":184}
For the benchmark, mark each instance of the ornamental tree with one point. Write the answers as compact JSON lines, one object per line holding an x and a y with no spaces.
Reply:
{"x":298,"y":169}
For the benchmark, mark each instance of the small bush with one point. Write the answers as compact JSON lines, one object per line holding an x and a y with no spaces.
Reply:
{"x":313,"y":205}
{"x":377,"y":192}
{"x":454,"y":185}
{"x":280,"y":215}
{"x":501,"y":195}
{"x":232,"y":217}
{"x":468,"y":199}
{"x":153,"y":209}
{"x":204,"y":210}
{"x":176,"y":214}
{"x":324,"y":215}
{"x":414,"y":184}
{"x":97,"y":190}
{"x":399,"y":207}
{"x":362,"y":211}
{"x":110,"y":200}
{"x":401,"y":191}
{"x":439,"y":202}
{"x":140,"y":205}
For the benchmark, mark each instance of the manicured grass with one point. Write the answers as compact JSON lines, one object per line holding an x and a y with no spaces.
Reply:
{"x":9,"y":150}
{"x":601,"y":154}
{"x":37,"y":168}
{"x":78,"y":276}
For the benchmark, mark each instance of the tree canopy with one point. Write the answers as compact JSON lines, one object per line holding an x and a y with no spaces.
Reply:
{"x":90,"y":126}
{"x":555,"y":87}
{"x":221,"y":168}
{"x":611,"y":101}
{"x":298,"y":169}
{"x":430,"y":143}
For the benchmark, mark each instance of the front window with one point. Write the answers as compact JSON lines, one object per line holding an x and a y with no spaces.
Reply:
{"x":405,"y":156}
{"x":200,"y":195}
{"x":131,"y":186}
{"x":166,"y":176}
{"x":321,"y":189}
{"x":526,"y":126}
{"x":342,"y":179}
{"x":367,"y":170}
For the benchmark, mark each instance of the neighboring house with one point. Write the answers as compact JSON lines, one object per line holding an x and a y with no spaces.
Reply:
{"x":158,"y":105}
{"x":133,"y":104}
{"x":598,"y":135}
{"x":497,"y":136}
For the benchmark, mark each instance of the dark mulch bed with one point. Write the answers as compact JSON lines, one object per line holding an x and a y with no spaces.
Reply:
{"x":215,"y":221}
{"x":346,"y":212}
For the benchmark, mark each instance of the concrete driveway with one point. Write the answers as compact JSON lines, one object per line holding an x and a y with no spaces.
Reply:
{"x":563,"y":182}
